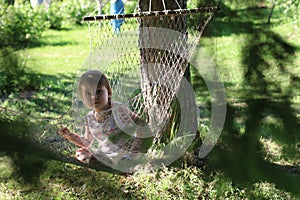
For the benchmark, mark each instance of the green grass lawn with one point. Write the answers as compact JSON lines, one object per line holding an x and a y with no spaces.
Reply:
{"x":58,"y":57}
{"x":60,"y":52}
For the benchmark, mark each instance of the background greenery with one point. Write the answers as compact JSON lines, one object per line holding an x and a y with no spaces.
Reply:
{"x":257,"y":156}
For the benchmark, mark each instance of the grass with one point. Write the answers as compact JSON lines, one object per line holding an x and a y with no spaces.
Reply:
{"x":60,"y":52}
{"x":65,"y":181}
{"x":57,"y":58}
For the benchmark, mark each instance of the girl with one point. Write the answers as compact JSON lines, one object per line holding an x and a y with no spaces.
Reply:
{"x":103,"y":133}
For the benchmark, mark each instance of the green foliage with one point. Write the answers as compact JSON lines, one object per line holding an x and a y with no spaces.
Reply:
{"x":9,"y":2}
{"x":187,"y":183}
{"x":241,"y":4}
{"x":130,"y":6}
{"x":20,"y":25}
{"x":54,"y":15}
{"x":265,"y":190}
{"x":75,"y":10}
{"x":70,"y":11}
{"x":14,"y":77}
{"x":203,"y":3}
{"x":290,"y":8}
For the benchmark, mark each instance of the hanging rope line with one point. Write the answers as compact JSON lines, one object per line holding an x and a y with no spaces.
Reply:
{"x":152,"y":14}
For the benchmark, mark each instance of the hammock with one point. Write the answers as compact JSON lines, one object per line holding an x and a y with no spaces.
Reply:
{"x":145,"y":55}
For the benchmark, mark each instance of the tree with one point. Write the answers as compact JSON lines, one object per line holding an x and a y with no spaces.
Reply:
{"x":290,"y":8}
{"x":10,"y":2}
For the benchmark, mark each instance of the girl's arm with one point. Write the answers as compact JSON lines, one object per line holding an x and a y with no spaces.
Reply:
{"x":138,"y":121}
{"x":133,"y":116}
{"x":74,"y":138}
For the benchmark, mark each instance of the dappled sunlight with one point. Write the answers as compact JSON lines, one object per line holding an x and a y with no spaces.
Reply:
{"x":268,"y":88}
{"x":256,"y":157}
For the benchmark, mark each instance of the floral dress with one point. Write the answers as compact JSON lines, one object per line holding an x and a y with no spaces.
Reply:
{"x":108,"y":142}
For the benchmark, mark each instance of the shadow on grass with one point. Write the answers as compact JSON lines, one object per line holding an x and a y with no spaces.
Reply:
{"x":28,"y":157}
{"x":34,"y":92}
{"x":25,"y":94}
{"x":30,"y":160}
{"x":51,"y":40}
{"x":26,"y":148}
{"x":267,"y":113}
{"x":228,"y":22}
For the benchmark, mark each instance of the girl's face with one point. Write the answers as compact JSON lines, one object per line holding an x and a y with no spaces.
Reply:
{"x":96,"y":98}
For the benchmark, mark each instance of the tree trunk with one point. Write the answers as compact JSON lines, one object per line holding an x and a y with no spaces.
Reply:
{"x":158,"y":86}
{"x":271,"y":12}
{"x":100,"y":5}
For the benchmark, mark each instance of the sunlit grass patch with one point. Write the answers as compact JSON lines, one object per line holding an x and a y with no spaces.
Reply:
{"x":78,"y":182}
{"x":60,"y":181}
{"x":9,"y":187}
{"x":264,"y":190}
{"x":60,"y":52}
{"x":187,"y":183}
{"x":273,"y":151}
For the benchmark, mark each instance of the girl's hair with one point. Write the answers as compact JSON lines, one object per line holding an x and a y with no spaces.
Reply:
{"x":94,"y":78}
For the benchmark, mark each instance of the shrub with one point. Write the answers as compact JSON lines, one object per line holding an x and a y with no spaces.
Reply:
{"x":20,"y":25}
{"x":54,"y":15}
{"x":75,"y":10}
{"x":14,"y":77}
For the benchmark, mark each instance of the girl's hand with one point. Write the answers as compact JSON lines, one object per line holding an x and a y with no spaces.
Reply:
{"x":74,"y":138}
{"x":83,"y":155}
{"x":65,"y":132}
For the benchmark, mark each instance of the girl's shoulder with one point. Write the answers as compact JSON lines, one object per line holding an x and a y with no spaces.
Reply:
{"x":118,"y":106}
{"x":113,"y":104}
